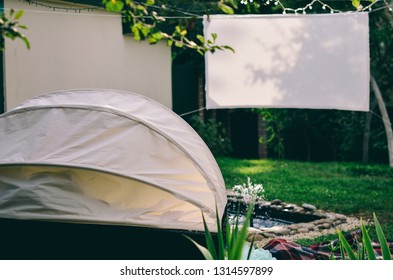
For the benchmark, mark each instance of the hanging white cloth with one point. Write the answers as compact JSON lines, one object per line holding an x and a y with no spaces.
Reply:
{"x":289,"y":61}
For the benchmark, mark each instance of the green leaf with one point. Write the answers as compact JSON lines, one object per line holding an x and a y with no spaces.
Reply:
{"x":179,"y":44}
{"x":26,"y":41}
{"x":201,"y":51}
{"x":114,"y":6}
{"x":141,"y":8}
{"x":206,"y":254}
{"x":145,"y":30}
{"x":153,"y":40}
{"x":356,"y":3}
{"x":240,"y":236}
{"x":19,"y":14}
{"x":345,"y":245}
{"x":220,"y":237}
{"x":251,"y":247}
{"x":228,"y":233}
{"x":201,"y":39}
{"x":169,"y":43}
{"x":342,"y":252}
{"x":136,"y":32}
{"x":157,"y":36}
{"x":209,"y":239}
{"x":229,"y":48}
{"x":367,"y":242}
{"x":382,"y":240}
{"x":149,"y":2}
{"x":225,"y":8}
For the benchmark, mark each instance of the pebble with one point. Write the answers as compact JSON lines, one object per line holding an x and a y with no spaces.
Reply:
{"x":276,"y":202}
{"x":309,"y":207}
{"x":303,"y":230}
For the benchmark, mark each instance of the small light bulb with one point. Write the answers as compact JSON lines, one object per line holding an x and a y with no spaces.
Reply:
{"x":310,"y":7}
{"x":324,"y":7}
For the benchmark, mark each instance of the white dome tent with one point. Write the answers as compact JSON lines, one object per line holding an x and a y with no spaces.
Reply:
{"x":106,"y":157}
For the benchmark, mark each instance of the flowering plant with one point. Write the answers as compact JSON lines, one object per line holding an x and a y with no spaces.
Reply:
{"x":250,"y":191}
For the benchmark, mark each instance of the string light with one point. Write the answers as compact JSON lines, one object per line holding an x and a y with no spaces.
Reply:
{"x":326,"y":7}
{"x":285,"y":10}
{"x":59,"y":8}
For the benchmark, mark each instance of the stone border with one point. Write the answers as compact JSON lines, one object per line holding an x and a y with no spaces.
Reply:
{"x":327,"y":224}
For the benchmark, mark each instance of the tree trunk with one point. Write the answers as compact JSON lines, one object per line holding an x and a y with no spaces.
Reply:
{"x":385,"y":119}
{"x":366,"y":133}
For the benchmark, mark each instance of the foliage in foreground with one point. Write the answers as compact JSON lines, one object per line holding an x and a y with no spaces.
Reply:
{"x":231,"y":244}
{"x":235,"y":240}
{"x":365,"y":249}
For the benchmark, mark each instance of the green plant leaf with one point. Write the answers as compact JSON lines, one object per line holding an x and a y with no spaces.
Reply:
{"x":251,"y":247}
{"x":356,"y":3}
{"x":26,"y":41}
{"x":345,"y":245}
{"x":209,"y":239}
{"x":114,"y":6}
{"x":382,"y":240}
{"x":229,"y":48}
{"x":226,"y":9}
{"x":206,"y":254}
{"x":220,"y":237}
{"x":228,"y":234}
{"x":145,"y":30}
{"x":241,"y":236}
{"x":158,"y":36}
{"x":342,"y":251}
{"x":179,"y":44}
{"x":367,"y":242}
{"x":201,"y":39}
{"x":18,"y":15}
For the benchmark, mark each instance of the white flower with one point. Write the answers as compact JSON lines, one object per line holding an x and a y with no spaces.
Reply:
{"x":249,"y":191}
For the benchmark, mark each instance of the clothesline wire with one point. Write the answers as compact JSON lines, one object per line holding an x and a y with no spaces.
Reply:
{"x":193,"y":111}
{"x":78,"y":11}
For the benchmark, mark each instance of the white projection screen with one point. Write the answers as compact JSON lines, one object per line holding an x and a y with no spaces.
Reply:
{"x":289,"y":61}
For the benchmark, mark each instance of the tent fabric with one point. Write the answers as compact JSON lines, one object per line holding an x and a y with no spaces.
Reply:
{"x":318,"y":61}
{"x":106,"y":157}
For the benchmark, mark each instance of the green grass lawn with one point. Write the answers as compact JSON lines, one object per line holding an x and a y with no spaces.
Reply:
{"x":347,"y":188}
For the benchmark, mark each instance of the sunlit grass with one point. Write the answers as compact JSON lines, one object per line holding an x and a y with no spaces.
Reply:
{"x":348,"y":188}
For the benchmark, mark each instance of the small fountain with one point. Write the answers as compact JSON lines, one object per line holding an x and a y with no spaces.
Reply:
{"x":276,"y":218}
